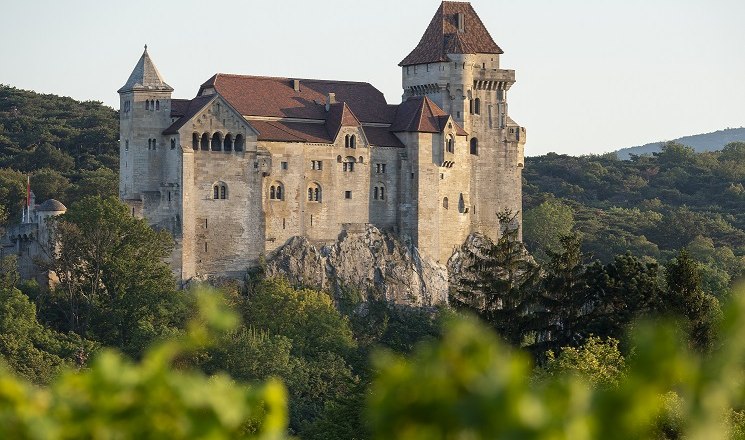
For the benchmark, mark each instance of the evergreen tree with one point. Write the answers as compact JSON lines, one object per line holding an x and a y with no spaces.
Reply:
{"x":562,"y":309}
{"x":496,"y":282}
{"x":685,"y":298}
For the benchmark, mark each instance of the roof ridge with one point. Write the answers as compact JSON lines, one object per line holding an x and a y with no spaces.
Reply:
{"x":239,"y":75}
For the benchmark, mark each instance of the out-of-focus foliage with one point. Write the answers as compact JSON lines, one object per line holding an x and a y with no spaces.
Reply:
{"x":69,"y":148}
{"x":471,"y":386}
{"x":115,"y":398}
{"x":293,"y":334}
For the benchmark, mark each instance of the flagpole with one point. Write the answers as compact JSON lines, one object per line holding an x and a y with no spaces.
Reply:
{"x":28,"y":199}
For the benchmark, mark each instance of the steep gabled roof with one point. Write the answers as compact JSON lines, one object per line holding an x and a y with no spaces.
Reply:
{"x":145,"y":76}
{"x":276,"y":97}
{"x":179,"y":107}
{"x":192,"y":108}
{"x":421,"y":114}
{"x":283,"y":131}
{"x":340,"y":115}
{"x":442,"y":36}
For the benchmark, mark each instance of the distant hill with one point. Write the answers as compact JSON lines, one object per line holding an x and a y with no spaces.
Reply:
{"x":700,"y":142}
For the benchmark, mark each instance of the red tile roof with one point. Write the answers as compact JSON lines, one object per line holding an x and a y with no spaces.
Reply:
{"x":421,"y":114}
{"x":194,"y":106}
{"x":266,"y":96}
{"x":339,"y":115}
{"x":179,"y":107}
{"x":281,"y":131}
{"x":442,"y":36}
{"x":382,"y":137}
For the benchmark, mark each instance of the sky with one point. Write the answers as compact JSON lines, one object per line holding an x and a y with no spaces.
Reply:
{"x":592,"y":75}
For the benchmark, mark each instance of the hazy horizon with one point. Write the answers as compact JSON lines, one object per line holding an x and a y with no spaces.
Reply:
{"x":591,"y":77}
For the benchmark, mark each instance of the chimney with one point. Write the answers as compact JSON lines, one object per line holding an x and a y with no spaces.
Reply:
{"x":330,"y":99}
{"x":296,"y":84}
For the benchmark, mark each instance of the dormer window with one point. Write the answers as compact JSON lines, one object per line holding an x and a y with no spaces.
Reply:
{"x":460,"y":21}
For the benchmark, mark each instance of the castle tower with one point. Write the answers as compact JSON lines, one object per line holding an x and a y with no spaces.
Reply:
{"x":145,"y":112}
{"x":456,"y":65}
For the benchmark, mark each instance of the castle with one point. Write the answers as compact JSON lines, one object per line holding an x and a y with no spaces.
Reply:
{"x":253,"y":161}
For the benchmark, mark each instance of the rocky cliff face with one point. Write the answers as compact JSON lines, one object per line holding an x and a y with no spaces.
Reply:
{"x":373,"y":261}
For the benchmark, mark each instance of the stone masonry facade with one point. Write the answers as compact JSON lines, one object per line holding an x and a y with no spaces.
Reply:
{"x":251,"y":162}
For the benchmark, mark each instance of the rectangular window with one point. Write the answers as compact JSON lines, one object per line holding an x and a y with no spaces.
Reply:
{"x":316,"y":165}
{"x":382,"y":193}
{"x":319,"y":165}
{"x":382,"y":167}
{"x":283,"y":165}
{"x":347,"y":194}
{"x":375,"y":193}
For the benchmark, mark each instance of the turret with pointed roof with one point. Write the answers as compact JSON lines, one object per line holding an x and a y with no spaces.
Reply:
{"x":456,"y":66}
{"x":145,"y":111}
{"x":145,"y":76}
{"x":455,"y":29}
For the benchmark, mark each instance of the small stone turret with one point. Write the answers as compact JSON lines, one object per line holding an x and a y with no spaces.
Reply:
{"x":144,"y":114}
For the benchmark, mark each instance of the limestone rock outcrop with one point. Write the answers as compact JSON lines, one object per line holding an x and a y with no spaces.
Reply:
{"x":375,"y":262}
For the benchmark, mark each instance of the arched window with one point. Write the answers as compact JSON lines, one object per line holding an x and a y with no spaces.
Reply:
{"x":155,"y":142}
{"x":205,"y":142}
{"x":149,"y":144}
{"x":195,"y":141}
{"x":239,"y":141}
{"x":276,"y":191}
{"x":216,"y":142}
{"x":346,"y":141}
{"x":157,"y":105}
{"x":227,"y":144}
{"x":445,"y":203}
{"x":353,"y":141}
{"x":474,"y":146}
{"x":477,"y":106}
{"x":147,"y":104}
{"x":219,"y":191}
{"x":348,"y":164}
{"x":450,"y":145}
{"x":379,"y":192}
{"x":314,"y":192}
{"x":338,"y":159}
{"x":470,"y":106}
{"x":152,"y":104}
